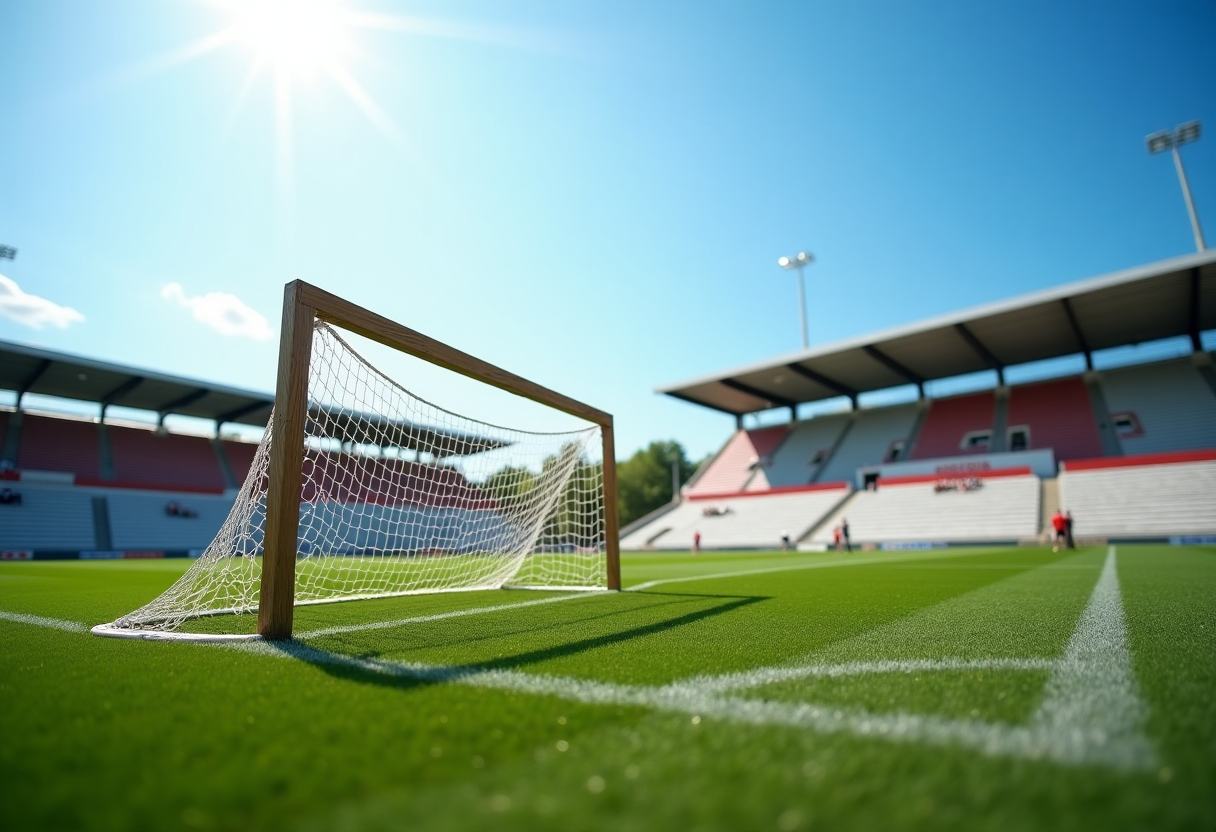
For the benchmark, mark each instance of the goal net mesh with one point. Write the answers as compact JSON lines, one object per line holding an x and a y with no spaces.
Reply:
{"x":401,"y":496}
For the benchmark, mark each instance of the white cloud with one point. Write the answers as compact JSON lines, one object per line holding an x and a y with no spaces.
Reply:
{"x":32,"y":310}
{"x":225,"y":313}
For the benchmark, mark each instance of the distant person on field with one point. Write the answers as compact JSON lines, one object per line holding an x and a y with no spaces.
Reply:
{"x":9,"y":497}
{"x":844,"y":534}
{"x":836,"y":536}
{"x":1068,"y":530}
{"x":696,"y":542}
{"x":785,"y":541}
{"x":1059,"y":523}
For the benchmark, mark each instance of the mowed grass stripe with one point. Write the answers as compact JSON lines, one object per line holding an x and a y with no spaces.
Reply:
{"x":363,"y":748}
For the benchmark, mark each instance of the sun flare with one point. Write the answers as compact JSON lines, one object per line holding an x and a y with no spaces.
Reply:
{"x":292,"y":36}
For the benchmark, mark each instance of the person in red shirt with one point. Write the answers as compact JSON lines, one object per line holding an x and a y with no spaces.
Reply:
{"x":696,"y":542}
{"x":1060,"y":523}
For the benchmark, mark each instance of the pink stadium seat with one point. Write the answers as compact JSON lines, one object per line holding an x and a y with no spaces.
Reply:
{"x":733,"y":466}
{"x":240,"y":458}
{"x":143,"y":456}
{"x":950,"y":420}
{"x":388,"y":482}
{"x":62,"y":445}
{"x":1059,"y":415}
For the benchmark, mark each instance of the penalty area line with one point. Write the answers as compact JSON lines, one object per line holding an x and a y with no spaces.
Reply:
{"x":40,"y":621}
{"x":439,"y":616}
{"x":798,"y":567}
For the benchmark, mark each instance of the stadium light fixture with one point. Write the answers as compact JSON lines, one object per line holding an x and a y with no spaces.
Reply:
{"x":1171,"y":140}
{"x":797,"y":263}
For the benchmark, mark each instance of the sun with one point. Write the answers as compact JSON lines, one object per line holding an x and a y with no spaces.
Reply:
{"x":293,"y":37}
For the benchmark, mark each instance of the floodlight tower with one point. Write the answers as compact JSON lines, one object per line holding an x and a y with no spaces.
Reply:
{"x":798,"y":262}
{"x":1171,"y":140}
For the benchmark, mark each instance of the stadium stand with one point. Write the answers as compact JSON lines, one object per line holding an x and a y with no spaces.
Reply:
{"x":64,"y":445}
{"x":1003,"y":509}
{"x":240,"y":458}
{"x":5,"y":419}
{"x":738,"y":463}
{"x":1055,"y":414}
{"x":1141,"y":497}
{"x":164,"y":459}
{"x":50,"y":517}
{"x":1161,"y":407}
{"x":953,"y":426}
{"x":805,"y":451}
{"x":138,"y":519}
{"x":739,"y":521}
{"x":868,"y":440}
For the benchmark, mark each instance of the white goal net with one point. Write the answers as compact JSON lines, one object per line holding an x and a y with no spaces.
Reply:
{"x":402,"y":496}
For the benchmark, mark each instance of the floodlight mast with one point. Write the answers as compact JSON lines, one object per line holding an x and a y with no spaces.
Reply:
{"x":797,"y":263}
{"x":1171,"y":141}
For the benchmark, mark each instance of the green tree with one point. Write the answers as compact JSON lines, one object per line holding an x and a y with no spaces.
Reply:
{"x":644,"y":480}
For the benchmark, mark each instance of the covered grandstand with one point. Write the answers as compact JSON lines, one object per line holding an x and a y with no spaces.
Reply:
{"x":1130,"y":450}
{"x":101,"y":486}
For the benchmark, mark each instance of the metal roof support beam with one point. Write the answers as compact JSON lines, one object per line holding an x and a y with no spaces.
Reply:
{"x":233,"y":415}
{"x":43,"y":366}
{"x":1076,"y":331}
{"x":118,"y":392}
{"x":1193,"y":324}
{"x":897,"y":368}
{"x":173,"y":406}
{"x":827,"y":382}
{"x":982,"y":351}
{"x":773,"y":401}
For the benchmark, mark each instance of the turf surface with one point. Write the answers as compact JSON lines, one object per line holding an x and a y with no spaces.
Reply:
{"x":984,"y":689}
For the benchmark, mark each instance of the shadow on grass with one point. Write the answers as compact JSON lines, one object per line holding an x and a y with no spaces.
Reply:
{"x":368,"y":668}
{"x":518,"y":627}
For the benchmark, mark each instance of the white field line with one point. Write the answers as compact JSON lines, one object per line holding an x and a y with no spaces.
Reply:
{"x":771,"y":675}
{"x":907,"y":557}
{"x":439,"y":616}
{"x":1091,"y":715}
{"x":39,"y":621}
{"x":381,"y":625}
{"x":1092,"y":707}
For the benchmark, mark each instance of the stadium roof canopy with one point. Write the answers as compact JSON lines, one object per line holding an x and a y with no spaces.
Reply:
{"x":25,"y":369}
{"x":1167,"y":299}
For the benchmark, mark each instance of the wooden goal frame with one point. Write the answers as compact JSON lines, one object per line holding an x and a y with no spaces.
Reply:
{"x":303,"y":305}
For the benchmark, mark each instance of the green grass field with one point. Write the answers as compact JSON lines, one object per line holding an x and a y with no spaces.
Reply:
{"x":978,"y":689}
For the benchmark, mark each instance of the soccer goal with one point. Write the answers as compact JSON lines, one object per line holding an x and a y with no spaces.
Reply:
{"x":362,"y":489}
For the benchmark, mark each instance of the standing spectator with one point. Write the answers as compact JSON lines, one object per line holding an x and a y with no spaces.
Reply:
{"x":696,"y":542}
{"x":1059,"y":523}
{"x":1068,"y":530}
{"x":844,"y":533}
{"x":9,"y":497}
{"x":785,"y":541}
{"x":836,"y":534}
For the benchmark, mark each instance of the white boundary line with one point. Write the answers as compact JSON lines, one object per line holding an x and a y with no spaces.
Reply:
{"x":439,"y":616}
{"x":908,"y":557}
{"x":39,"y":621}
{"x":1091,"y":714}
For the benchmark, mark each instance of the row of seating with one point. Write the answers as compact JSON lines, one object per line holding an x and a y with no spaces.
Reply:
{"x":60,"y":517}
{"x":1163,"y":407}
{"x":1128,"y":499}
{"x":136,"y":456}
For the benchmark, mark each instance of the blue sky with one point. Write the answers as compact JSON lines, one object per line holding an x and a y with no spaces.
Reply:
{"x":589,"y":194}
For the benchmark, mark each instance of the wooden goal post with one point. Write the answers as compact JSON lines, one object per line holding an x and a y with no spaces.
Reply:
{"x":303,"y":305}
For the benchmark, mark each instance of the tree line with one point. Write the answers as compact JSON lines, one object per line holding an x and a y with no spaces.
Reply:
{"x":644,"y":483}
